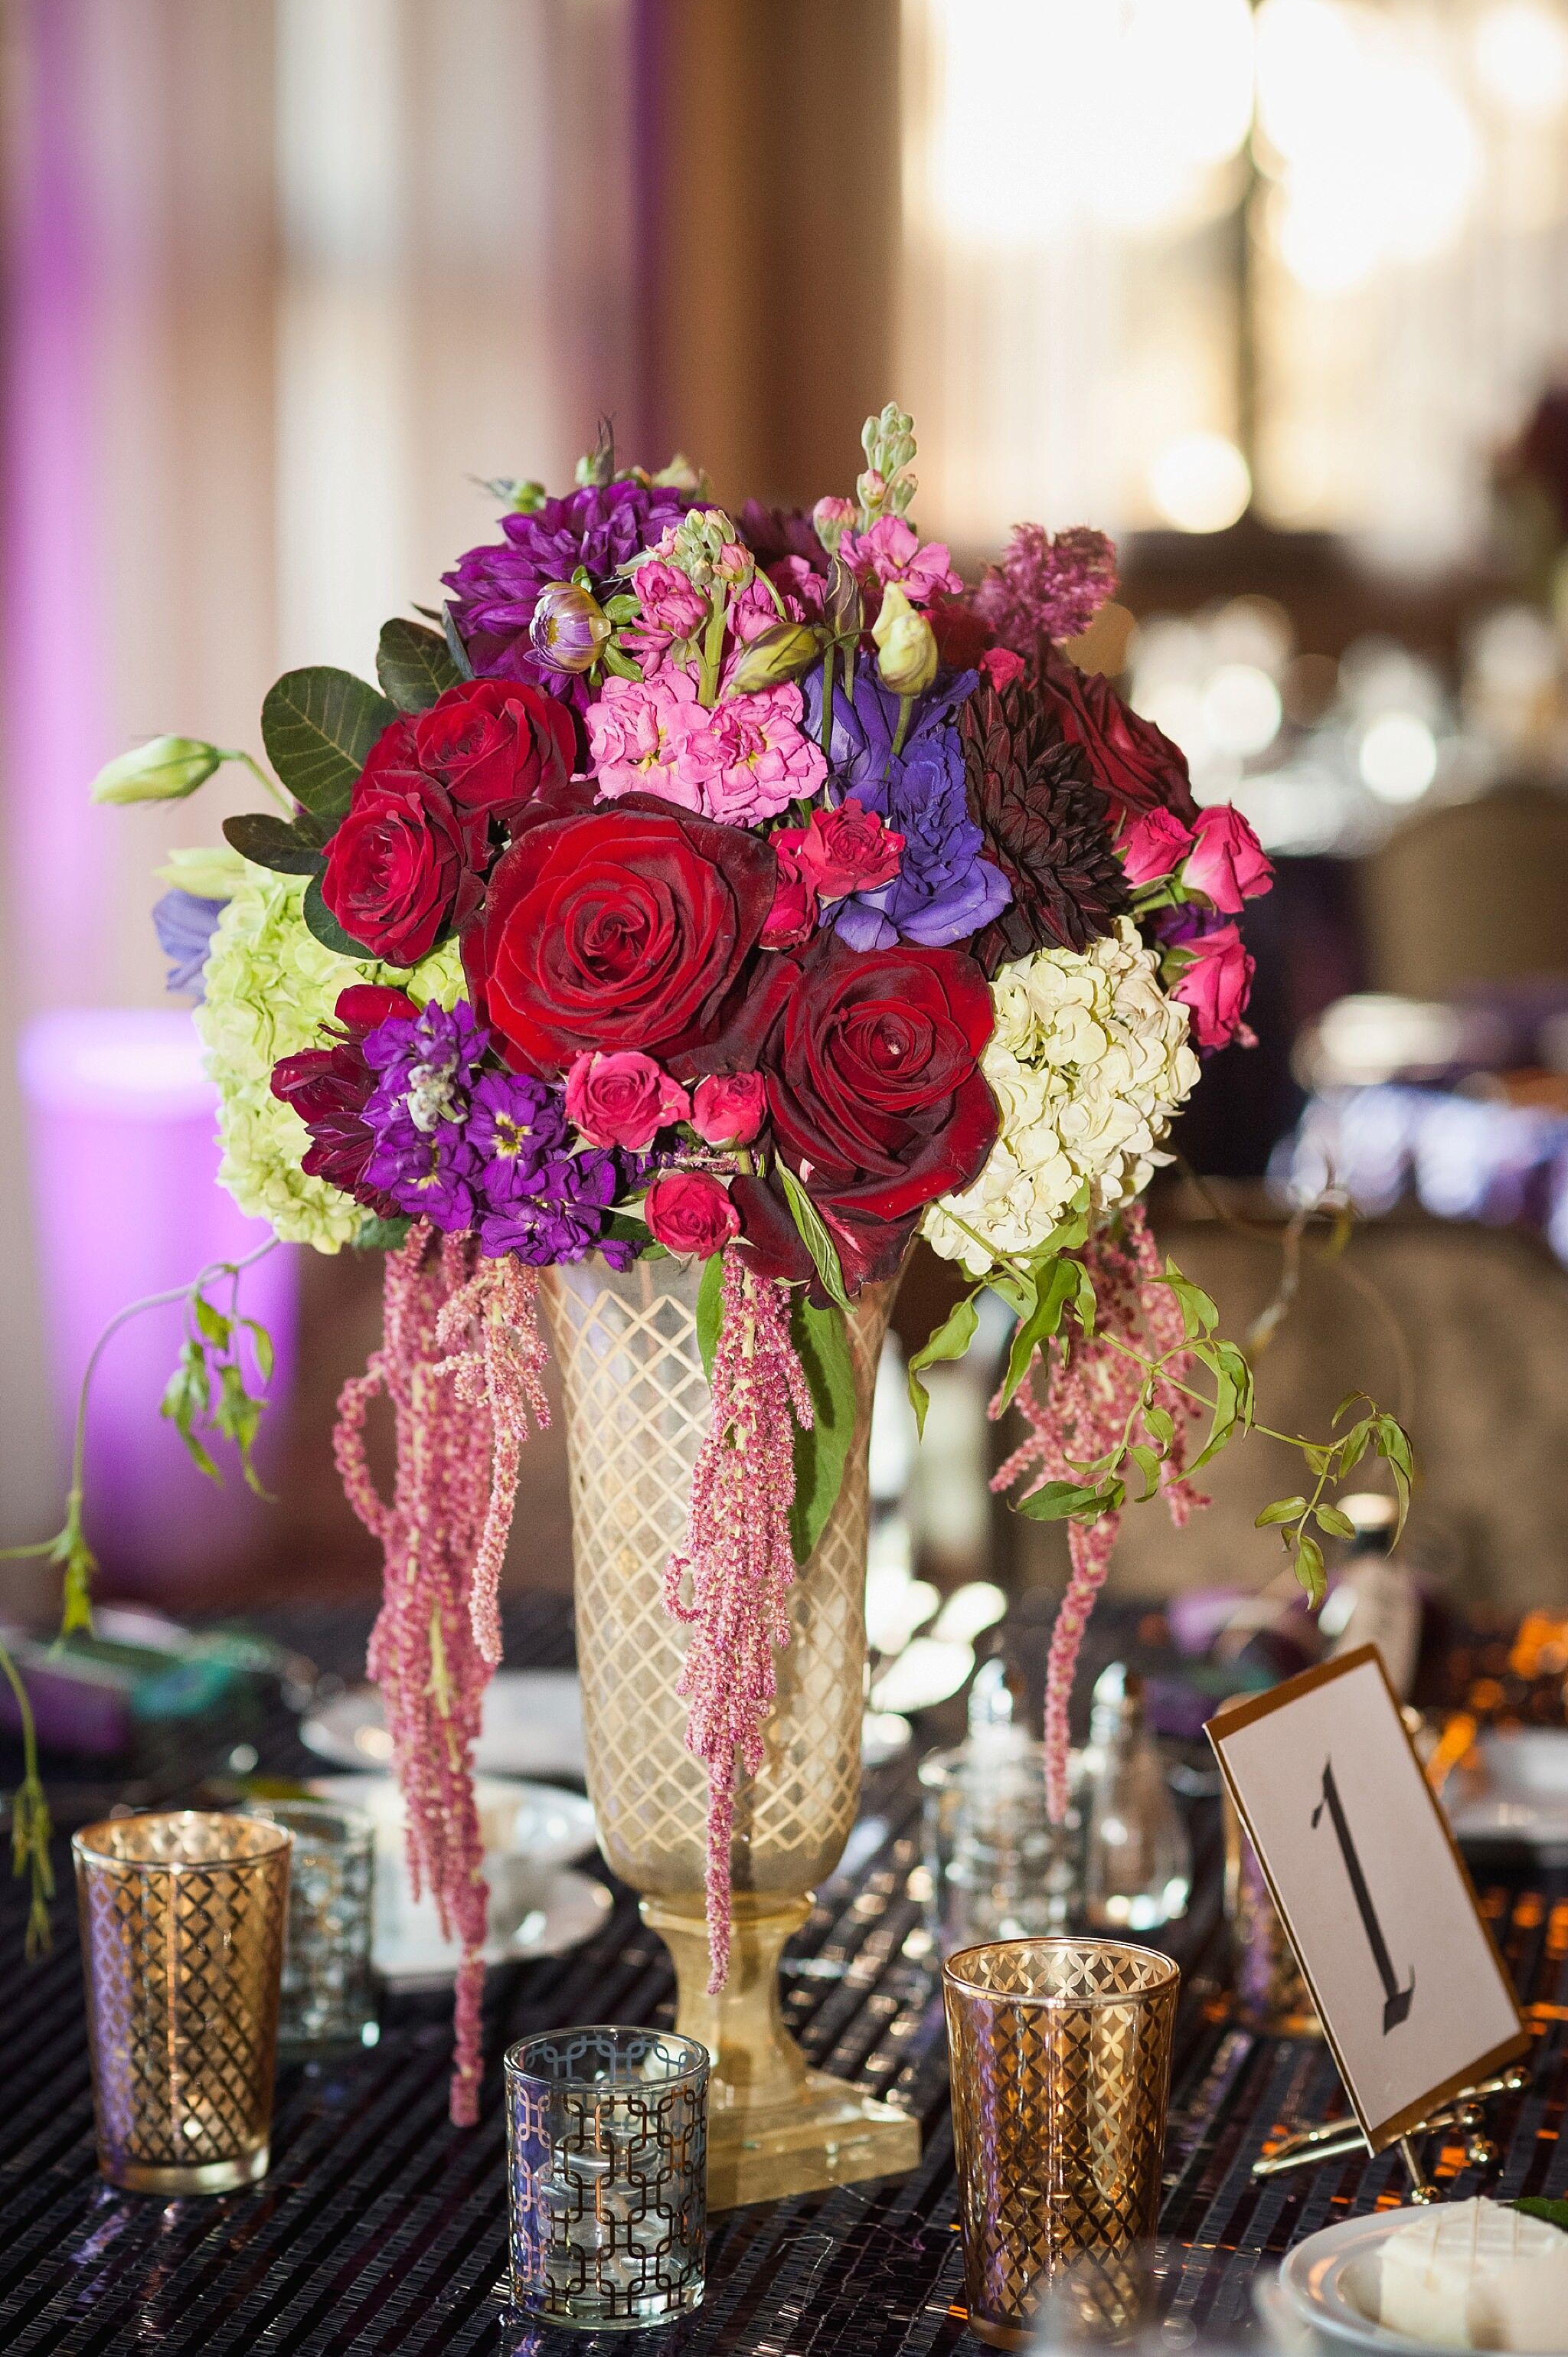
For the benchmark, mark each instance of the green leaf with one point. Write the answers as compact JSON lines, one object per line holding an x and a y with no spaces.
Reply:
{"x":454,"y":647}
{"x":1057,"y":1285}
{"x":950,"y":1340}
{"x":1199,"y":1314}
{"x":413,"y":665}
{"x":1539,"y":2205}
{"x":211,"y":1322}
{"x":1283,"y":1510}
{"x":320,"y":921}
{"x":261,"y":1346}
{"x":269,"y":841}
{"x":821,"y":1342}
{"x":318,"y":727}
{"x":1053,"y":1501}
{"x":1148,"y":1464}
{"x":814,"y":1236}
{"x":1309,"y":1569}
{"x":1160,"y":1424}
{"x":1330,"y":1519}
{"x":381,"y":1235}
{"x":710,"y":1311}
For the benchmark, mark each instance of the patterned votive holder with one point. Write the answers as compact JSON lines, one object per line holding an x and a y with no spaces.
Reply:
{"x":1060,"y":2054}
{"x":182,"y":1934}
{"x":608,"y":2155}
{"x":328,"y":2001}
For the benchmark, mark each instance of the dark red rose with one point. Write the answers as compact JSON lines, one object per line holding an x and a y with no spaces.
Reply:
{"x":623,"y":928}
{"x":1134,"y":764}
{"x":405,"y":864}
{"x":329,"y":1088}
{"x":793,"y":916}
{"x":962,"y":635}
{"x":874,"y":1092}
{"x":493,"y":743}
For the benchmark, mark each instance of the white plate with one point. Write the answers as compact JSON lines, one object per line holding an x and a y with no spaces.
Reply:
{"x":1518,"y":1793}
{"x":1329,"y":2283}
{"x":540,"y":1824}
{"x":565,"y":1909}
{"x":532,"y":1726}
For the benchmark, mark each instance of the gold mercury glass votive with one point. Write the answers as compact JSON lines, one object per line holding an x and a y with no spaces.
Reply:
{"x":1060,"y":2055}
{"x":182,"y":1936}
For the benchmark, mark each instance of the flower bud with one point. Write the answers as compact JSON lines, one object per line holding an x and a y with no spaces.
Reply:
{"x":781,"y":652}
{"x":163,"y":770}
{"x":569,"y":628}
{"x":905,"y":644}
{"x":683,"y":474}
{"x":831,"y":519}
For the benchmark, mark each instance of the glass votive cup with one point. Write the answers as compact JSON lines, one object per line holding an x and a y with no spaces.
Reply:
{"x":1060,"y":2054}
{"x":998,"y":1869}
{"x":608,"y":2156}
{"x":182,"y":1934}
{"x":328,"y":1998}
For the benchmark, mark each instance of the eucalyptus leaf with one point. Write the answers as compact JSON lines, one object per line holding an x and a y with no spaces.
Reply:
{"x":950,"y":1340}
{"x":814,"y":1236}
{"x":381,"y":1235}
{"x":1309,"y":1569}
{"x":318,"y":727}
{"x":269,"y":841}
{"x":1053,"y":1501}
{"x":1330,"y":1519}
{"x":710,"y":1311}
{"x":821,"y":1343}
{"x":414,"y":665}
{"x":319,"y":919}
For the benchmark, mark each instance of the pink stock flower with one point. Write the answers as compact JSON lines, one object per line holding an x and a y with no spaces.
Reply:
{"x":831,"y":519}
{"x":1154,"y":845}
{"x":793,"y":915}
{"x":804,"y":591}
{"x":638,"y":732}
{"x":688,"y":1211}
{"x":756,"y":610}
{"x":845,"y":850}
{"x":727,"y":1108}
{"x":752,"y":756}
{"x":1001,"y":666}
{"x":1227,"y":863}
{"x":668,"y":600}
{"x":891,"y":551}
{"x":1216,"y":986}
{"x":623,"y":1099}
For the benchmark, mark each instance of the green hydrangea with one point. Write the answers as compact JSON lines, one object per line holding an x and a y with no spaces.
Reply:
{"x":270,"y":986}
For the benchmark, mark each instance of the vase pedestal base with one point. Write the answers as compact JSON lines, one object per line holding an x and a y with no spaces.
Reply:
{"x":774,"y":2126}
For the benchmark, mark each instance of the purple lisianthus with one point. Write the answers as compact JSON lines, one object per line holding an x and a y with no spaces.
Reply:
{"x":184,"y":923}
{"x":495,"y":588}
{"x":565,"y":1218}
{"x":944,"y":890}
{"x":426,"y":1064}
{"x":515,"y":1126}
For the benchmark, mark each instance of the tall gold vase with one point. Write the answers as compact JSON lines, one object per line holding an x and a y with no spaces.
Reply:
{"x":637,"y":1409}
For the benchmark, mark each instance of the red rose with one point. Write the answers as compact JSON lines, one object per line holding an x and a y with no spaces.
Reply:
{"x":1134,"y":763}
{"x":403,"y":869}
{"x":623,"y":928}
{"x":329,"y":1088}
{"x":845,"y":850}
{"x":687,"y":1212}
{"x":793,"y":916}
{"x":963,"y":636}
{"x":492,"y":743}
{"x":873,"y":1090}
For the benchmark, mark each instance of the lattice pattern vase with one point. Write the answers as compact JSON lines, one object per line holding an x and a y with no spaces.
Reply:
{"x":637,"y":1409}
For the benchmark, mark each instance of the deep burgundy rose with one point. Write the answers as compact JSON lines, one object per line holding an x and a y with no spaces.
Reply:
{"x":618,"y":929}
{"x":688,"y":1211}
{"x":493,"y":743}
{"x":1134,"y":764}
{"x":874,"y":1092}
{"x":329,"y":1088}
{"x":962,"y":637}
{"x":405,"y":864}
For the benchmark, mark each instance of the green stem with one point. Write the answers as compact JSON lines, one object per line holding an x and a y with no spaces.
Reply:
{"x":906,"y":706}
{"x":30,"y":1818}
{"x":714,"y":648}
{"x":828,"y":662}
{"x":256,"y":770}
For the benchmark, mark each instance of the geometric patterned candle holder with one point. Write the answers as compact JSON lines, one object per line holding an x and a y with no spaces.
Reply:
{"x":606,"y":2148}
{"x":1060,"y":2053}
{"x":182,"y":1933}
{"x":329,"y":2000}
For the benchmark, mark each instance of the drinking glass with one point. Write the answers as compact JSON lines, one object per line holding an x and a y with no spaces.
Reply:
{"x":328,"y":1999}
{"x":182,"y":1932}
{"x":607,"y":2147}
{"x":1060,"y":2055}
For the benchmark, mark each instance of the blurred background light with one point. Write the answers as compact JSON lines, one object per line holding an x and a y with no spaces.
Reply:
{"x":1200,"y":482}
{"x":1398,"y":757}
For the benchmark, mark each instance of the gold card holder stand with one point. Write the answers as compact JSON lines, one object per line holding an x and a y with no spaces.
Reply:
{"x":1336,"y":2139}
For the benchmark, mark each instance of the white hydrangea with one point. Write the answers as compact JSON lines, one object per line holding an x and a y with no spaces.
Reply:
{"x":1089,"y":1061}
{"x":270,"y":985}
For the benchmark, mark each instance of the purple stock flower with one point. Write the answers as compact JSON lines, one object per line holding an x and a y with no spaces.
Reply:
{"x":185,"y":924}
{"x":515,"y":1125}
{"x":496,"y":588}
{"x":426,"y":1173}
{"x":567,"y":1216}
{"x":426,"y":1063}
{"x":944,"y":890}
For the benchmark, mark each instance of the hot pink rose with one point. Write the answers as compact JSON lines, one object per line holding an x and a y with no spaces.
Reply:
{"x":687,"y":1212}
{"x":668,"y":600}
{"x":1001,"y":666}
{"x":845,"y":850}
{"x":622,"y":1099}
{"x":793,"y":915}
{"x":1154,"y":845}
{"x":727,"y":1108}
{"x":1227,"y":862}
{"x":1217,"y":986}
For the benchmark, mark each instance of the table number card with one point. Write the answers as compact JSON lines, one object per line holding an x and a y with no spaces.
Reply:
{"x":1363,"y":1870}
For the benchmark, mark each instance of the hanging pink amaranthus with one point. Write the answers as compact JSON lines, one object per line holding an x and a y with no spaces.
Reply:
{"x":738,"y":1560}
{"x":459,"y":1361}
{"x":1091,"y":1392}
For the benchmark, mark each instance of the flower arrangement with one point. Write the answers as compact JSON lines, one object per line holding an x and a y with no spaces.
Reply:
{"x":743,"y":888}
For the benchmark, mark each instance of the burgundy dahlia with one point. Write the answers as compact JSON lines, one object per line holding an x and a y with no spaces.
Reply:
{"x":1044,"y":824}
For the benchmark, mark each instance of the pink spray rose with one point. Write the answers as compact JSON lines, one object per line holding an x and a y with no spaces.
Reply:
{"x":891,"y":551}
{"x":1154,"y":845}
{"x":793,"y":915}
{"x":1216,"y":986}
{"x":1001,"y":666}
{"x":727,"y":1108}
{"x":668,"y":600}
{"x":688,"y":1211}
{"x":622,"y":1098}
{"x":845,"y":850}
{"x":1227,"y":863}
